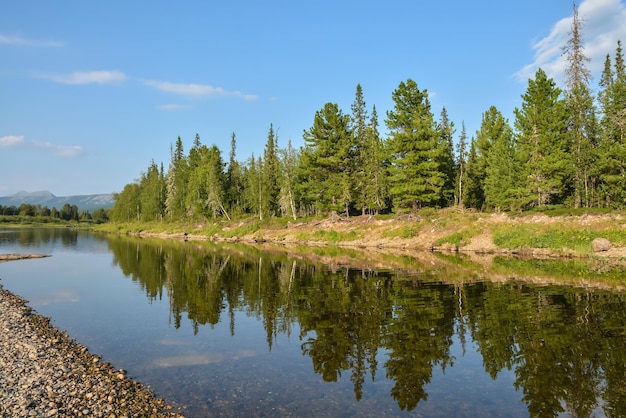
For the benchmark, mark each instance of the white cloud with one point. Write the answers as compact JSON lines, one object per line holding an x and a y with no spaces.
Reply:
{"x":93,"y":77}
{"x":197,"y":90}
{"x":10,"y":140}
{"x":64,"y":151}
{"x":172,"y":106}
{"x":602,"y":26}
{"x":18,"y":41}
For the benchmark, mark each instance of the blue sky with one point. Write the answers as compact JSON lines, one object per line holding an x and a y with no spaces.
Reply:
{"x":93,"y":91}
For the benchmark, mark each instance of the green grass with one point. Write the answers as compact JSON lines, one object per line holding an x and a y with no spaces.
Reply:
{"x":241,"y":230}
{"x":557,"y":210}
{"x":459,"y":238}
{"x":553,"y":237}
{"x":406,"y":232}
{"x":332,"y":236}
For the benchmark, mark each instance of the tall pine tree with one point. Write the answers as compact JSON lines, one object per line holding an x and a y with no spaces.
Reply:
{"x":417,"y":177}
{"x":582,"y":121}
{"x":271,"y":173}
{"x":176,"y":183}
{"x":325,"y":170}
{"x":234,"y":186}
{"x":541,"y":125}
{"x":359,"y":121}
{"x":448,"y":166}
{"x":612,"y":147}
{"x":461,"y":163}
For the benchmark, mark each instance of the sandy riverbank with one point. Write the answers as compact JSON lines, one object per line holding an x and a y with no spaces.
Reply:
{"x":44,"y":373}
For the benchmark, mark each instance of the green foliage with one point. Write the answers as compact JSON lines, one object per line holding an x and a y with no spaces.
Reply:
{"x":416,"y":150}
{"x":370,"y":178}
{"x":326,"y":164}
{"x":29,"y":214}
{"x":541,"y":125}
{"x":581,"y":119}
{"x":561,"y":152}
{"x":497,"y":161}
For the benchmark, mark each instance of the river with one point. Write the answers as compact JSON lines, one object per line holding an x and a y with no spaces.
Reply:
{"x":233,"y":330}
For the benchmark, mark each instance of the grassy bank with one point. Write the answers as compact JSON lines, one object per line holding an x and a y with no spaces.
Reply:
{"x":562,"y":233}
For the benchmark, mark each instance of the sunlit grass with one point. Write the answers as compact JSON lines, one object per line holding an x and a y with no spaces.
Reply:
{"x":404,"y":231}
{"x":458,"y":238}
{"x":554,"y":237}
{"x":240,"y":230}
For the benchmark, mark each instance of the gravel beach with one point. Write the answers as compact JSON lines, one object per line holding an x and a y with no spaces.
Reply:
{"x":44,"y":373}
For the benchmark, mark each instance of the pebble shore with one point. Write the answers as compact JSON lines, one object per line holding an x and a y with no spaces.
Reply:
{"x":44,"y":373}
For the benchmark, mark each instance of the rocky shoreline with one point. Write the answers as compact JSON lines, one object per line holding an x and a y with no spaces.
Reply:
{"x":13,"y":257}
{"x":44,"y":373}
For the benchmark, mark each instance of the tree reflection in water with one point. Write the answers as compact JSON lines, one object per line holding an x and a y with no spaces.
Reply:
{"x":566,"y":345}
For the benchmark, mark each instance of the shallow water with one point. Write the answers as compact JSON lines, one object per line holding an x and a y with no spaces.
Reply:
{"x":236,"y":331}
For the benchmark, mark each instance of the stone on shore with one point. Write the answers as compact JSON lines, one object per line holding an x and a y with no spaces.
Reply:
{"x":600,"y":245}
{"x":44,"y":373}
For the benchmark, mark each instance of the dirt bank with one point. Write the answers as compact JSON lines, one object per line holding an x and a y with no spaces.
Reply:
{"x":446,"y":231}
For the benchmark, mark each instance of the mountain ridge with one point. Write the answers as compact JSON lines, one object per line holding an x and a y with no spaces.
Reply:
{"x":46,"y":198}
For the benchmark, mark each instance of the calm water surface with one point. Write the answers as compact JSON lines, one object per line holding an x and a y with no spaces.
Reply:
{"x":235,"y":331}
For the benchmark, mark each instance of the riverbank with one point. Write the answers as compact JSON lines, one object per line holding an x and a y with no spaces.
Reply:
{"x":535,"y":235}
{"x":44,"y":373}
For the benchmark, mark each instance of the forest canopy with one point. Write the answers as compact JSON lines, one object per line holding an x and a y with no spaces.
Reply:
{"x":565,"y":147}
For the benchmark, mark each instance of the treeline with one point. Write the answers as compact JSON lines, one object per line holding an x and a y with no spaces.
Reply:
{"x":67,"y":213}
{"x":565,"y":147}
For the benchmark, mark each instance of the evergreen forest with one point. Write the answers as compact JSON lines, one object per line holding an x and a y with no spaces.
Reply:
{"x":566,"y":147}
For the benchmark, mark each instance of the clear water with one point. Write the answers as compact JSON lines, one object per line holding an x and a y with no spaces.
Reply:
{"x":237,"y":331}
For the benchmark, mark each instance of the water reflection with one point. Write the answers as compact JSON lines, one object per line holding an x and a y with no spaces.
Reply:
{"x":565,"y":345}
{"x":35,"y":237}
{"x":50,"y":237}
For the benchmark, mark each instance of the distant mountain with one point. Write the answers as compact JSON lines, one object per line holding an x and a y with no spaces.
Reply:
{"x":45,"y":198}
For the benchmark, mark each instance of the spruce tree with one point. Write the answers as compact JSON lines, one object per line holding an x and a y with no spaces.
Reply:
{"x":206,"y":187}
{"x":151,"y":197}
{"x":252,"y":186}
{"x":176,"y":183}
{"x":541,"y":125}
{"x":416,"y":150}
{"x":461,"y":163}
{"x":234,"y":187}
{"x":196,"y":186}
{"x":446,"y":129}
{"x":494,"y":128}
{"x":358,"y":126}
{"x":582,"y":122}
{"x":501,"y":184}
{"x":612,"y":147}
{"x":326,"y":161}
{"x":215,"y":182}
{"x":376,"y":192}
{"x":271,"y":172}
{"x":287,"y":198}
